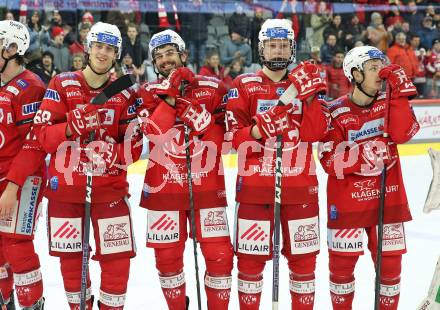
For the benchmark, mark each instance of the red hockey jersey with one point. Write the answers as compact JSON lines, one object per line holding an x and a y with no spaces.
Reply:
{"x":166,"y":181}
{"x":20,"y":155}
{"x":69,"y":161}
{"x":256,"y":93}
{"x":352,"y":190}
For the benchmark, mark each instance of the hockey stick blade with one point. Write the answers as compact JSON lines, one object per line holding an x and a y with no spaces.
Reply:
{"x":114,"y":88}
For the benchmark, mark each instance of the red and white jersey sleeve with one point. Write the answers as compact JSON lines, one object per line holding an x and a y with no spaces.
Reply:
{"x":256,"y":93}
{"x":166,"y":178}
{"x":353,"y":189}
{"x":68,"y":163}
{"x":20,"y":154}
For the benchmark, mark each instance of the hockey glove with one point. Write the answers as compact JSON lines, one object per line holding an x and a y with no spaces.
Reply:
{"x":401,"y":85}
{"x":84,"y":120}
{"x":171,"y":85}
{"x":193,"y":115}
{"x":307,"y":80}
{"x":274,"y":121}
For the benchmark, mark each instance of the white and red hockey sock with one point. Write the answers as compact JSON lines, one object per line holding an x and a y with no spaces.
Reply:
{"x":302,"y":291}
{"x":6,"y":281}
{"x":25,"y":266}
{"x":389,"y":294}
{"x":218,"y":291}
{"x":342,"y":292}
{"x":249,"y":291}
{"x":114,"y":279}
{"x":71,"y":272}
{"x":174,"y":290}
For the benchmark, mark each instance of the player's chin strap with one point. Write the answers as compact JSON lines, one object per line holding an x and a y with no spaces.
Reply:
{"x":7,"y":60}
{"x":94,"y":71}
{"x":359,"y":86}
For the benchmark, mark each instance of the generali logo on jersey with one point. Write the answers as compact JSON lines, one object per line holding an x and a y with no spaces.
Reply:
{"x":253,"y":237}
{"x":164,"y":227}
{"x":393,"y":236}
{"x":116,"y":235}
{"x":214,"y":222}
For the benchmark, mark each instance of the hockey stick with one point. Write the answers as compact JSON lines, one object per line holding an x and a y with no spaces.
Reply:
{"x":289,"y":94}
{"x":383,"y":178}
{"x":114,"y":88}
{"x":191,"y":207}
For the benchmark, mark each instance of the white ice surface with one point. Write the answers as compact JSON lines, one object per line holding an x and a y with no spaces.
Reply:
{"x":423,"y":242}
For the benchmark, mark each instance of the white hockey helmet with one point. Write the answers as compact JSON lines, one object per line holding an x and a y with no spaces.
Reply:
{"x":166,"y":37}
{"x":276,"y":29}
{"x":104,"y":33}
{"x":14,"y":32}
{"x":356,"y":58}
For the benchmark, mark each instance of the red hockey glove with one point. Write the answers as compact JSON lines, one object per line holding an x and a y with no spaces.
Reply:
{"x":83,"y":120}
{"x":401,"y":85}
{"x":307,"y":80}
{"x":193,"y":115}
{"x":171,"y":85}
{"x":274,"y":121}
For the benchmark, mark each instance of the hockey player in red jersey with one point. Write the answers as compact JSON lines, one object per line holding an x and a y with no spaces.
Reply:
{"x":255,"y":120}
{"x":21,"y":172}
{"x":353,"y":154}
{"x":167,"y":111}
{"x":64,"y":124}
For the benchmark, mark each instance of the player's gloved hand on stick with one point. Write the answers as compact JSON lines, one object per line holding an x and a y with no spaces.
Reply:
{"x":400,"y":83}
{"x":84,"y":120}
{"x":307,"y":80}
{"x":193,"y":115}
{"x":274,"y":121}
{"x":376,"y":153}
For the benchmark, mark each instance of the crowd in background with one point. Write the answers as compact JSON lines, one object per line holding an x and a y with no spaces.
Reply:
{"x":226,"y":45}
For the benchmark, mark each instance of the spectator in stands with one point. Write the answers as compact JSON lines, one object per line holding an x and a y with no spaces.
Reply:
{"x":377,"y":34}
{"x":9,"y":16}
{"x":78,"y":46}
{"x":338,"y":84}
{"x":46,"y":69}
{"x":335,"y":28}
{"x":57,"y":20}
{"x":78,"y":62}
{"x":236,"y":68}
{"x":428,"y":33}
{"x":256,"y":23}
{"x":132,"y":45}
{"x":402,"y":54}
{"x":39,"y":37}
{"x":328,"y":50}
{"x":319,"y":21}
{"x":239,"y":22}
{"x":315,"y":58}
{"x":420,"y":78}
{"x":127,"y":66}
{"x":353,"y":31}
{"x":413,"y":16}
{"x":393,"y":17}
{"x":195,"y":33}
{"x":236,"y":48}
{"x":61,"y":55}
{"x":430,"y":11}
{"x":212,"y":66}
{"x":433,"y":71}
{"x":87,"y":18}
